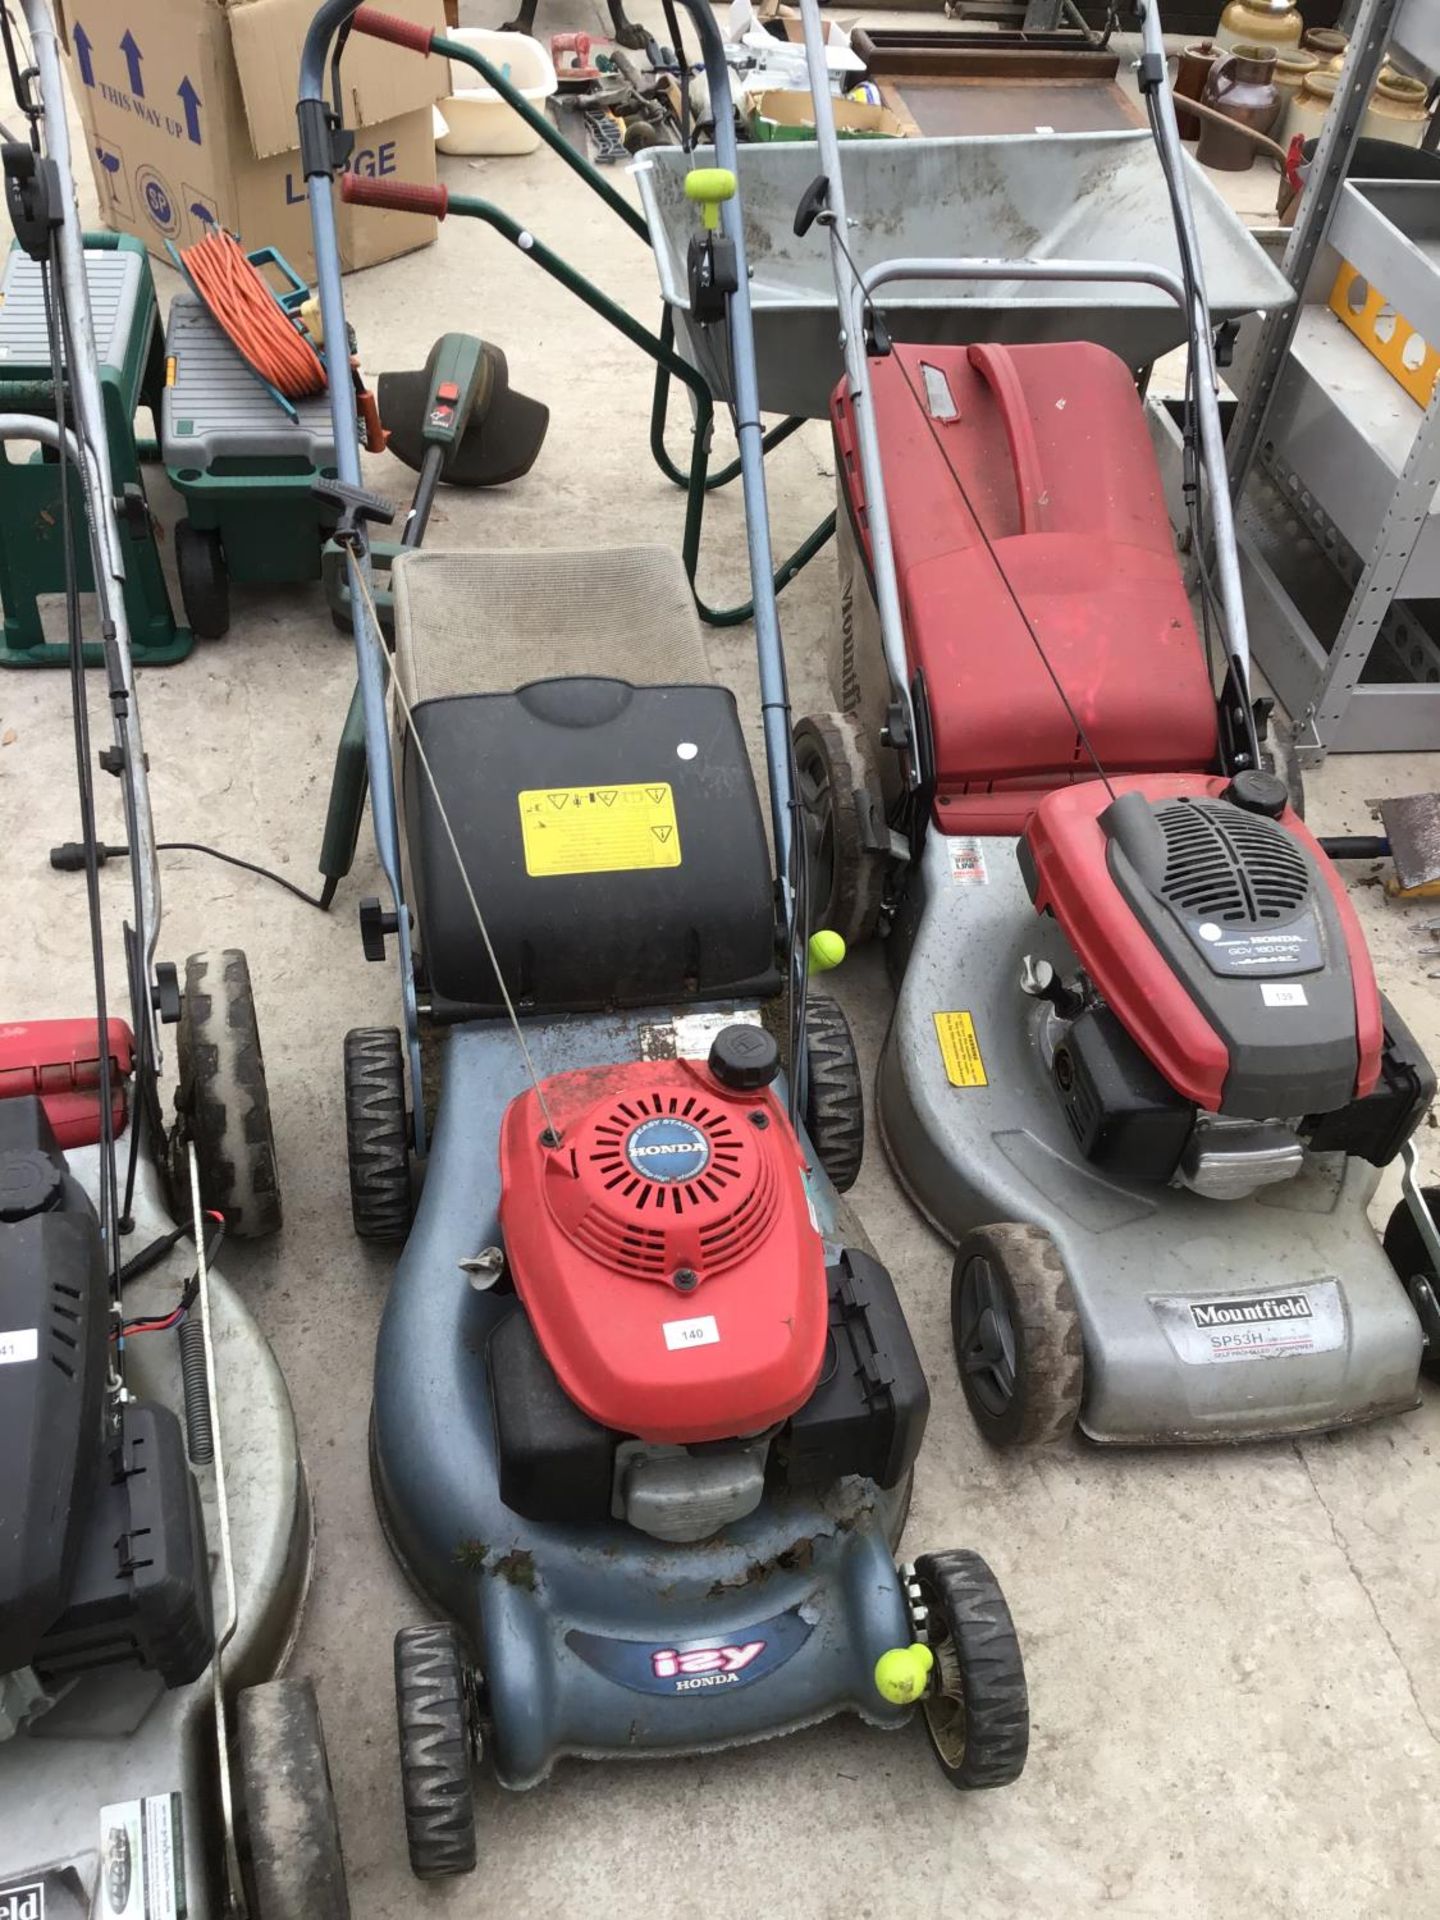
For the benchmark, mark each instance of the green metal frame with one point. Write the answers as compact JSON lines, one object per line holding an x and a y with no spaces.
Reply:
{"x":669,"y":365}
{"x":32,"y":561}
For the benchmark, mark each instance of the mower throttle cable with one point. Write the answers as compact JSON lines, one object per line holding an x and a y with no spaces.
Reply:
{"x":162,"y":1322}
{"x":70,"y":858}
{"x":359,"y":575}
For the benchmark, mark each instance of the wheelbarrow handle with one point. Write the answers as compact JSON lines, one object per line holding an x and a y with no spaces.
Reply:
{"x":398,"y":196}
{"x":391,"y":27}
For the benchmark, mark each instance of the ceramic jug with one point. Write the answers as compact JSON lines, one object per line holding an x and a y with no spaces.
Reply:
{"x":1190,"y":77}
{"x":1242,"y":87}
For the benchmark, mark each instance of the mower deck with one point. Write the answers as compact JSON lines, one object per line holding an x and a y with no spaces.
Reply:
{"x":984,"y":1139}
{"x":570,"y":1625}
{"x":118,"y":1736}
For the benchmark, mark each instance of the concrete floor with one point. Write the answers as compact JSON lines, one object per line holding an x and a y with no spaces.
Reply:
{"x":1234,"y":1658}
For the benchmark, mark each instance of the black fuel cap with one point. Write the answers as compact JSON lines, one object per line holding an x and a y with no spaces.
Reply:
{"x":29,"y":1183}
{"x":745,"y":1058}
{"x":1258,"y":792}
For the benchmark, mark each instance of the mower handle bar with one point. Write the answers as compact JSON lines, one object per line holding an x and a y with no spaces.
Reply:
{"x":396,"y":196}
{"x":317,"y":160}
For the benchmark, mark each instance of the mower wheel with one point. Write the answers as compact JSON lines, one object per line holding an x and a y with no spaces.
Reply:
{"x":1405,"y":1251}
{"x":1278,"y":755}
{"x":977,"y":1712}
{"x":222,"y":1102}
{"x":837,"y":779}
{"x":438,"y":1746}
{"x":834,"y":1098}
{"x":204,"y":581}
{"x":377,"y":1133}
{"x":1017,"y":1335}
{"x":290,"y":1828}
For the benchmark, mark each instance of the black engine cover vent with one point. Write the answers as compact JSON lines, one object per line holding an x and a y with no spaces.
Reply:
{"x":1224,"y":864}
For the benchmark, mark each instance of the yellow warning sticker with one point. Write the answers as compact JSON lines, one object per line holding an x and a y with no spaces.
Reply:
{"x":960,"y":1050}
{"x":598,"y":829}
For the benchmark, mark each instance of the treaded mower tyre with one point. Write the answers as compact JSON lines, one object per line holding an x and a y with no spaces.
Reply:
{"x":437,"y":1750}
{"x":222,"y":1101}
{"x":836,"y":776}
{"x":289,"y":1827}
{"x":834,"y":1097}
{"x":1017,"y":1336}
{"x":1405,"y":1251}
{"x":204,"y":581}
{"x":377,"y":1133}
{"x":977,"y":1713}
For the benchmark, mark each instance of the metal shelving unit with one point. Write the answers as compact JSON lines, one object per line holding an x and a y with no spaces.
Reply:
{"x":1334,"y":466}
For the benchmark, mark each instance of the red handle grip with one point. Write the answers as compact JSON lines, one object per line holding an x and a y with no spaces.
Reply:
{"x":398,"y":196}
{"x":576,"y":43}
{"x":390,"y":26}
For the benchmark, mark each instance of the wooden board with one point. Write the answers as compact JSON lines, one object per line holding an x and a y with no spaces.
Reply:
{"x":943,"y":107}
{"x":944,"y":84}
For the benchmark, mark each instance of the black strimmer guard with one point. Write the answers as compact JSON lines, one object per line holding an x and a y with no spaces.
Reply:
{"x":462,"y":401}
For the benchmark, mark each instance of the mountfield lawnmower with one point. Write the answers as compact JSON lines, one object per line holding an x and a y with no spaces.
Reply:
{"x":144,"y":1771}
{"x":644,"y":1419}
{"x":1139,"y":1069}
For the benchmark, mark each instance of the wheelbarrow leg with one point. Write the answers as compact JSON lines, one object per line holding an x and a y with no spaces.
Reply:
{"x":346,"y":810}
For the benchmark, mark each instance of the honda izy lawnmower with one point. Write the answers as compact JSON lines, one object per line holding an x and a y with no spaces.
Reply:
{"x":1139,"y":1069}
{"x":140,"y":1590}
{"x":644,"y":1419}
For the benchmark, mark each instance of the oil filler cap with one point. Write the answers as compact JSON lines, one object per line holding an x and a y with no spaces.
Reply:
{"x":1258,"y":792}
{"x":744,"y":1058}
{"x":29,"y":1184}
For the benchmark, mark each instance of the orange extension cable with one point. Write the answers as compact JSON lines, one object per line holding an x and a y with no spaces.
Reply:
{"x":240,"y":300}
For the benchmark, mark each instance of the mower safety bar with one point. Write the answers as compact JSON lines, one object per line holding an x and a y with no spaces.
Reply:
{"x":398,"y":196}
{"x":390,"y":26}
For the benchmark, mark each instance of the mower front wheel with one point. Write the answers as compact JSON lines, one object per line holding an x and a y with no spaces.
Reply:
{"x":439,"y":1744}
{"x":204,"y":581}
{"x":1406,"y":1252}
{"x":1017,"y":1335}
{"x":290,"y":1827}
{"x":838,"y":785}
{"x":834,"y":1097}
{"x":377,"y":1133}
{"x":222,"y":1102}
{"x":977,"y":1712}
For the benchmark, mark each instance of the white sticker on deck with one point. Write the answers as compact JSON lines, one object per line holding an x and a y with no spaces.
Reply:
{"x":17,"y":1345}
{"x":701,"y":1332}
{"x":1214,"y":1328}
{"x":142,"y":1846}
{"x":967,"y":863}
{"x":688,"y":1037}
{"x":1283,"y":993}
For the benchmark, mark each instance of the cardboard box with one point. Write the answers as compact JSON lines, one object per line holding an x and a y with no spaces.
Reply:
{"x":189,"y":114}
{"x":777,"y":115}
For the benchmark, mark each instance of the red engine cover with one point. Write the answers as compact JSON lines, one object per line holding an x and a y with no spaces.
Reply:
{"x":1068,"y":850}
{"x":59,"y":1060}
{"x":1052,"y":447}
{"x":662,"y":1172}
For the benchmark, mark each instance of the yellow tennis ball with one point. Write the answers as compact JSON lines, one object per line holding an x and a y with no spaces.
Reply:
{"x":826,"y":950}
{"x":902,"y":1673}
